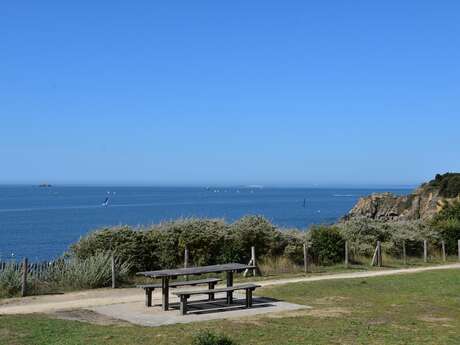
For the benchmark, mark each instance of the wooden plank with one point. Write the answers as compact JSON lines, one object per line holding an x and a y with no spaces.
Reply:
{"x":114,"y":273}
{"x":182,"y":283}
{"x":229,"y":284}
{"x":219,"y":290}
{"x":425,"y":251}
{"x":165,"y":293}
{"x":186,"y":260}
{"x":346,"y":254}
{"x":443,"y":250}
{"x":253,"y":259}
{"x":379,"y":254}
{"x":305,"y":257}
{"x":404,"y":252}
{"x":196,"y":270}
{"x":183,"y":305}
{"x":25,"y":268}
{"x":374,"y":257}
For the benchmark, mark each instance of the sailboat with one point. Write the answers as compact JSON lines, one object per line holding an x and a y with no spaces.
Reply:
{"x":105,"y":203}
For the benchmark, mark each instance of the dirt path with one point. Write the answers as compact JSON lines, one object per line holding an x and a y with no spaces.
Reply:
{"x":100,"y":297}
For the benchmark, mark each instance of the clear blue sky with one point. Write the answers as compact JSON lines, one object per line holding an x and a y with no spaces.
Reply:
{"x":235,"y":92}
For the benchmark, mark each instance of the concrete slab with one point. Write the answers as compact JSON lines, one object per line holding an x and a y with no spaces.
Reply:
{"x":199,"y":310}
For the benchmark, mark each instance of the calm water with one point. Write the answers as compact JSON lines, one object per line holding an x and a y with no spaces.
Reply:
{"x":41,"y":223}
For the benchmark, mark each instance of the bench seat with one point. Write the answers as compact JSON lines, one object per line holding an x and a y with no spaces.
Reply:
{"x":184,"y":295}
{"x":149,"y":288}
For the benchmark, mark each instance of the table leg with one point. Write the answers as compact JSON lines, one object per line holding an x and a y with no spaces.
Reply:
{"x":229,"y":284}
{"x":211,"y":295}
{"x":165,"y":292}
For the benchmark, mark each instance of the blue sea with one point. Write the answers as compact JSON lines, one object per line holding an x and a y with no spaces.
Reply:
{"x":41,"y":222}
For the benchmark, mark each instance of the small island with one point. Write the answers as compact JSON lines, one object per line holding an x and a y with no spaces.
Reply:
{"x":44,"y":185}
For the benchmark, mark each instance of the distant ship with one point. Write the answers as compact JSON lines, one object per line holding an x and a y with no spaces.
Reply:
{"x":45,"y":185}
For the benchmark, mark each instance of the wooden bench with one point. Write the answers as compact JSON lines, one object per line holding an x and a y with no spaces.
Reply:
{"x":184,"y":295}
{"x":149,"y":288}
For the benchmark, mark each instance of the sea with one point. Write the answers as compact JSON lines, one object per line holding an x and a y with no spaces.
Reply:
{"x":40,"y":223}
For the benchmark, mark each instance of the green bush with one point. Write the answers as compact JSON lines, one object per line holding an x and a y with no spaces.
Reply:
{"x":209,"y":241}
{"x":362,"y":235}
{"x":137,"y":247}
{"x":10,"y":280}
{"x":447,"y":224}
{"x":209,"y":338}
{"x":327,"y":244}
{"x":448,"y":184}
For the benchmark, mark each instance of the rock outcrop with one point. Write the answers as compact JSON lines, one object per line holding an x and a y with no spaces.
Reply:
{"x":423,"y":204}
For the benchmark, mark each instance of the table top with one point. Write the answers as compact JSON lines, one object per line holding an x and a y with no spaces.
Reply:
{"x":196,"y":270}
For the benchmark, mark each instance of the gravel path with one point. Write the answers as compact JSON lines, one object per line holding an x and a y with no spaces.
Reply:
{"x":102,"y":297}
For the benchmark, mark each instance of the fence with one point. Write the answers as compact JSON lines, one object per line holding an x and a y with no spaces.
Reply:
{"x":40,"y":270}
{"x":35,"y":269}
{"x":377,"y":258}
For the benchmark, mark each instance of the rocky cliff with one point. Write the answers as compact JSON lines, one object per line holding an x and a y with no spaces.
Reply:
{"x":423,"y":203}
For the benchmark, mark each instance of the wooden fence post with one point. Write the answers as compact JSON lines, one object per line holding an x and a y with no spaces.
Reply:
{"x":425,"y":251}
{"x":25,"y":267}
{"x":346,"y":254}
{"x":404,"y":253}
{"x":379,"y":254}
{"x":252,"y":262}
{"x":443,"y":249}
{"x":253,"y":258}
{"x":305,"y":257}
{"x":114,"y":273}
{"x":374,"y":257}
{"x":458,"y":250}
{"x":186,"y":260}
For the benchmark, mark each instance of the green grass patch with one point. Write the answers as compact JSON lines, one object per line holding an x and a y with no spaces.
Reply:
{"x":422,"y":308}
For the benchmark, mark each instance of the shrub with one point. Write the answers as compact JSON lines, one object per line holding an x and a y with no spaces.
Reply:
{"x":137,"y":247}
{"x":209,"y":338}
{"x":92,"y":272}
{"x":449,"y":211}
{"x":448,"y":184}
{"x":327,"y":244}
{"x":362,"y":235}
{"x":210,"y":241}
{"x":10,"y":280}
{"x":253,"y":231}
{"x":447,"y":224}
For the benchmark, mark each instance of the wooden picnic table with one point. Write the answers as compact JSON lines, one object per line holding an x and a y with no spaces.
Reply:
{"x":165,"y":275}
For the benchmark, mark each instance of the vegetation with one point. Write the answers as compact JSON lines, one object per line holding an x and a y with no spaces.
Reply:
{"x":327,"y":244}
{"x":447,"y":224}
{"x":448,"y":184}
{"x":421,"y":308}
{"x":210,"y":241}
{"x":92,"y":272}
{"x":70,"y":274}
{"x":10,"y":280}
{"x":362,"y":235}
{"x":213,"y":241}
{"x":210,"y":338}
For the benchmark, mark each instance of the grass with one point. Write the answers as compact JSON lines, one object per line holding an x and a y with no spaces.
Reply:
{"x":422,"y":308}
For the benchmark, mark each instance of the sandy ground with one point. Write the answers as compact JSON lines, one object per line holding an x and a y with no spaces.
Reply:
{"x":91,"y":299}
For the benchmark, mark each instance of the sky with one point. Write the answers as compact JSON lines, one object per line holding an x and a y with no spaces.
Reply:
{"x":282,"y":93}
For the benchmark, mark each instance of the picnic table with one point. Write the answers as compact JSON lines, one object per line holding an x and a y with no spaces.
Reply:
{"x":167,"y":274}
